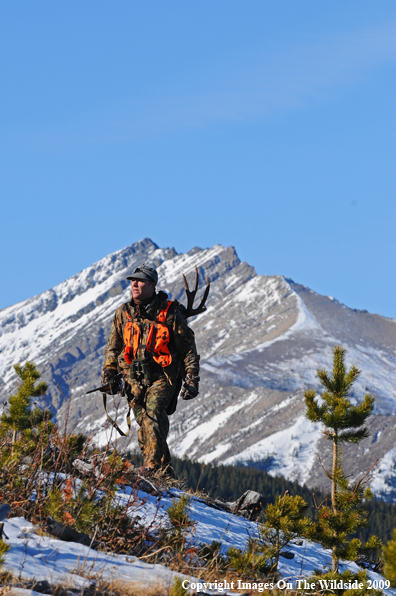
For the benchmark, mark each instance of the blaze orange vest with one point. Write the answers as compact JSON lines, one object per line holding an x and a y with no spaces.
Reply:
{"x":160,"y":351}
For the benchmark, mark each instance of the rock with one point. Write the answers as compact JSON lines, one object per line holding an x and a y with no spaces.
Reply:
{"x":368,"y":562}
{"x":41,"y":586}
{"x":91,"y":466}
{"x":249,"y":505}
{"x":84,"y":467}
{"x":287,"y":555}
{"x":5,"y":509}
{"x":68,"y":534}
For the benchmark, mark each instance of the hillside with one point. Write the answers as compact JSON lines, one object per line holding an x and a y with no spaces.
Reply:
{"x":38,"y":557}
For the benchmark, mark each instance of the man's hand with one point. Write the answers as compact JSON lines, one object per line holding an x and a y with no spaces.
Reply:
{"x":107,"y":376}
{"x":191,"y":386}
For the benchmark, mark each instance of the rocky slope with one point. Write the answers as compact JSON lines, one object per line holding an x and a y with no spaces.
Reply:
{"x":261,"y":341}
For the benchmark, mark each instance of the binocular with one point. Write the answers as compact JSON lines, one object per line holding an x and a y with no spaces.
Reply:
{"x":140,"y":369}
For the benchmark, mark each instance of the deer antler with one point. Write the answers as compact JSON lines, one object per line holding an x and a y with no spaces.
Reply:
{"x":191,"y":312}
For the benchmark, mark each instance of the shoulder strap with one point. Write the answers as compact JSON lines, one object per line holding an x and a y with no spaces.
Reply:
{"x":160,"y":317}
{"x":112,"y":422}
{"x":180,"y":308}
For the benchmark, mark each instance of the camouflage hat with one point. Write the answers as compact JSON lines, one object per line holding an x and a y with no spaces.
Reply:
{"x":145,"y":273}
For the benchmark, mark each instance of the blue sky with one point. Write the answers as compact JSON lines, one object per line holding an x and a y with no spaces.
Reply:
{"x":266,"y":125}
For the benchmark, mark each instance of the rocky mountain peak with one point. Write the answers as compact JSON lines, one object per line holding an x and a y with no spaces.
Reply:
{"x":261,"y":340}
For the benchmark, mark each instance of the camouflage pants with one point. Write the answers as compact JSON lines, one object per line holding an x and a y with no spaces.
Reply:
{"x":154,"y":423}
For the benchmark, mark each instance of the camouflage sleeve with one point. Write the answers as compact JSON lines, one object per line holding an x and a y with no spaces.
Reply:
{"x":185,"y":343}
{"x":114,"y":347}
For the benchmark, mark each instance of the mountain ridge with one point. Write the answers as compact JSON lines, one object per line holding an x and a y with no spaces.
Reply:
{"x":261,"y":340}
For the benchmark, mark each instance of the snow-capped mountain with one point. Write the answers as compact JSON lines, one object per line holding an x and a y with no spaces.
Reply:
{"x":261,"y":341}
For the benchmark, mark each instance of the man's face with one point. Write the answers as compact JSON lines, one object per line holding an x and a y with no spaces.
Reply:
{"x":142,"y":289}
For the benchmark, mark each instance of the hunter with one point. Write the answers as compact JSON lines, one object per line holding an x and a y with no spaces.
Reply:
{"x":154,"y":348}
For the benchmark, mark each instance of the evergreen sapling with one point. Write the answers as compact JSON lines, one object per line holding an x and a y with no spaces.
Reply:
{"x":284,"y":521}
{"x":343,"y":423}
{"x":180,"y":522}
{"x":20,"y":415}
{"x":390,"y":560}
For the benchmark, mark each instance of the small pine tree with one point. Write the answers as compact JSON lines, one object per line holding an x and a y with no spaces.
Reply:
{"x":390,"y":560}
{"x":324,"y":585}
{"x":343,"y":424}
{"x":254,"y":559}
{"x":211,"y":554}
{"x":180,"y":522}
{"x":177,"y":588}
{"x":284,"y":520}
{"x":21,"y":416}
{"x":3,"y":549}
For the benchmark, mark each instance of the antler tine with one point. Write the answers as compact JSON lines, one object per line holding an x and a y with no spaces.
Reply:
{"x":206,"y":294}
{"x":196,"y":280}
{"x":190,"y":294}
{"x":202,"y":307}
{"x":185,"y":283}
{"x":190,"y":310}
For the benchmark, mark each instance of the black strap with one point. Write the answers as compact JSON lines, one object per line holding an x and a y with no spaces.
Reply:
{"x":155,"y":327}
{"x":112,"y":422}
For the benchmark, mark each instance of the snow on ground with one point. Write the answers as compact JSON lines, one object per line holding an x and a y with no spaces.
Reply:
{"x":66,"y":563}
{"x":41,"y":557}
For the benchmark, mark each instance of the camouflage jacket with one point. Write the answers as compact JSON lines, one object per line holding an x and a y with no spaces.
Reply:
{"x":181,"y":345}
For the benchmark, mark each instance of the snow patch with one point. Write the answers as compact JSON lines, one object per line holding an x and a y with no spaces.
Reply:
{"x":200,"y":433}
{"x":292,"y":451}
{"x":383,"y":480}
